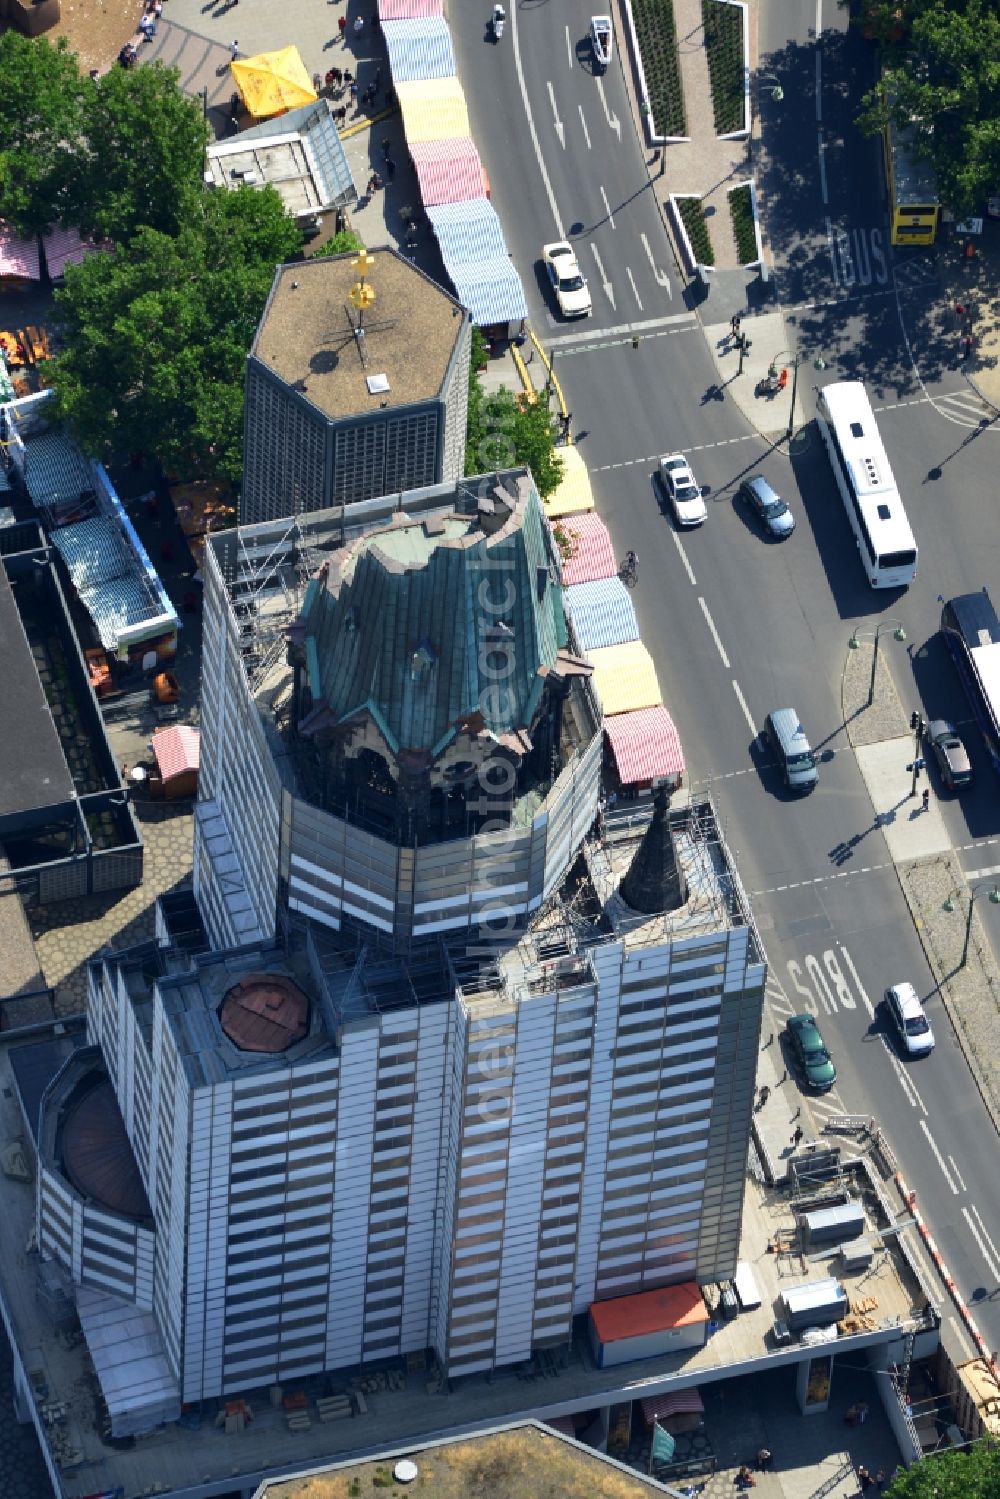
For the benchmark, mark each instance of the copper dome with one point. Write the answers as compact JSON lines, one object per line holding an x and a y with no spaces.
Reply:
{"x":265,"y":1012}
{"x":97,"y":1155}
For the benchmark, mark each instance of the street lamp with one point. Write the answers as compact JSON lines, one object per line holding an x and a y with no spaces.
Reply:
{"x":898,"y":634}
{"x":819,"y":363}
{"x":993,"y":896}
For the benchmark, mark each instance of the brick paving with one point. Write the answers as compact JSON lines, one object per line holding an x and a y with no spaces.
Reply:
{"x":68,"y":935}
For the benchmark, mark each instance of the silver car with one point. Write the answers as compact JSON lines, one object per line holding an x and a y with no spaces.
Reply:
{"x":768,"y":506}
{"x":950,"y":753}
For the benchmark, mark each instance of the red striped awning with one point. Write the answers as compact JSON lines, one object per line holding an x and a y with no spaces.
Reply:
{"x":591,"y":555}
{"x":682,"y":1403}
{"x":448,"y":171}
{"x":645,"y":745}
{"x":409,"y":10}
{"x":63,"y":247}
{"x":177,"y":750}
{"x":19,"y":257}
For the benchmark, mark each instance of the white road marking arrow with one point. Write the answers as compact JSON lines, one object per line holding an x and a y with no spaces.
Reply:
{"x":560,"y":127}
{"x":607,"y":207}
{"x":635,"y":290}
{"x":586,"y":132}
{"x":612,"y":119}
{"x":608,"y":289}
{"x":661,"y":277}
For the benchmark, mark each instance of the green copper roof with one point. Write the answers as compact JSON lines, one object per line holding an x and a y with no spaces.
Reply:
{"x":427,"y":623}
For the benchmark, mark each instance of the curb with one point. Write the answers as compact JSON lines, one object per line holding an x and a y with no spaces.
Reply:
{"x":522,"y":369}
{"x":551,"y":376}
{"x":910,"y":1202}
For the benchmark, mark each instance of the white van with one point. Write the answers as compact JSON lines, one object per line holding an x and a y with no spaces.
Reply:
{"x":790,"y":744}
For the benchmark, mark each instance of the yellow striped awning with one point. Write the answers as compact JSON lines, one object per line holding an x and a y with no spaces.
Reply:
{"x":574,"y":495}
{"x":434,"y":109}
{"x":625,"y":678}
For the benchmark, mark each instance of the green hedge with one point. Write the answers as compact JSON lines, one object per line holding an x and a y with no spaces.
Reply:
{"x":724,"y":45}
{"x":654,"y":25}
{"x":741,"y":213}
{"x":693,"y":215}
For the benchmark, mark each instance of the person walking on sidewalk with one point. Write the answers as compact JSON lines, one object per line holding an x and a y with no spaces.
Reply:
{"x":797,"y":1135}
{"x":926,"y":799}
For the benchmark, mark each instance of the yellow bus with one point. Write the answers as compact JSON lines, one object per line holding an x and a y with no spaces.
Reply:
{"x":914,"y":209}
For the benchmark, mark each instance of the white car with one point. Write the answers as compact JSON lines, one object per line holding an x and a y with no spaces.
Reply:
{"x":568,"y":281}
{"x":677,"y":486}
{"x":907,"y":1015}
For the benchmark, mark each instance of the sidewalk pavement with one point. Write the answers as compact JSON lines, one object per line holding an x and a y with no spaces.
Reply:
{"x":974,"y":284}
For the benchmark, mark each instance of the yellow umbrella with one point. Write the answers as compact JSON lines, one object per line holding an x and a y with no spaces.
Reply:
{"x":273,"y":82}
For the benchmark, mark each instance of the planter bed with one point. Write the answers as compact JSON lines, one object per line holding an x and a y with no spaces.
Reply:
{"x":657,"y":38}
{"x":696,"y":227}
{"x":744,"y":228}
{"x":724,"y":45}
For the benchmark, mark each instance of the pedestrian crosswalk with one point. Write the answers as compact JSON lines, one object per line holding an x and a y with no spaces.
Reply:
{"x":915,"y":271}
{"x":965,"y":407}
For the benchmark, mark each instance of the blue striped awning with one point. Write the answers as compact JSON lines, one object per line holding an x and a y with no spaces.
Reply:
{"x":419,"y":48}
{"x":602,"y":613}
{"x":468,"y":231}
{"x":491,"y":290}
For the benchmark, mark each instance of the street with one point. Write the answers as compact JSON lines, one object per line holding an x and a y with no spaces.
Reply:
{"x":737,"y":624}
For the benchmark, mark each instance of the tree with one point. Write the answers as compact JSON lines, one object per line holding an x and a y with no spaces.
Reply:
{"x":943,"y":80}
{"x":340,"y":244}
{"x":141,"y":154}
{"x":964,"y":1473}
{"x":157,"y":332}
{"x":41,"y":108}
{"x":505,"y":432}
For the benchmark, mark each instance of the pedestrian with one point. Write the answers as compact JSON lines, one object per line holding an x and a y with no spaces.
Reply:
{"x":359,"y":25}
{"x":390,"y":168}
{"x":386,"y":147}
{"x":959,"y":310}
{"x":234,"y":51}
{"x":734,"y":323}
{"x":864,"y":1477}
{"x":318,"y":83}
{"x":353,"y":91}
{"x":880,"y":1479}
{"x":764,"y":1095}
{"x":347,"y":76}
{"x":764,"y":1456}
{"x":342,"y":27}
{"x":798,"y":1134}
{"x":966,"y":345}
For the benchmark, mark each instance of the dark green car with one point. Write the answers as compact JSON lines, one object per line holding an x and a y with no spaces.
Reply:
{"x":810,"y":1052}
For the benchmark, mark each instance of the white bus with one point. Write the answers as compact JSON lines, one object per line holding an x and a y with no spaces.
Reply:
{"x":861,"y":468}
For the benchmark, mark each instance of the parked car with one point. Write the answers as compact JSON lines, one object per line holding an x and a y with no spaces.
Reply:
{"x":768,"y":506}
{"x":569,"y":285}
{"x":677,"y":488}
{"x":810,"y":1053}
{"x":907,"y":1015}
{"x":950,"y":754}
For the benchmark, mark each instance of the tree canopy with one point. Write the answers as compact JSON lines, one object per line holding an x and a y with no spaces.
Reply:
{"x":41,"y":106}
{"x":105,"y":156}
{"x":941,"y":75}
{"x":339,"y":244}
{"x":964,"y":1473}
{"x":157,"y":331}
{"x":504,"y":431}
{"x":140,"y":154}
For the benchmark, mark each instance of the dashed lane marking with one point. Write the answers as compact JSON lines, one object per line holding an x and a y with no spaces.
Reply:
{"x":726,"y":442}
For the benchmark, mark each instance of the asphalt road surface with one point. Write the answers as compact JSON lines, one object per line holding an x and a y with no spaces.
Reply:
{"x":739,"y":625}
